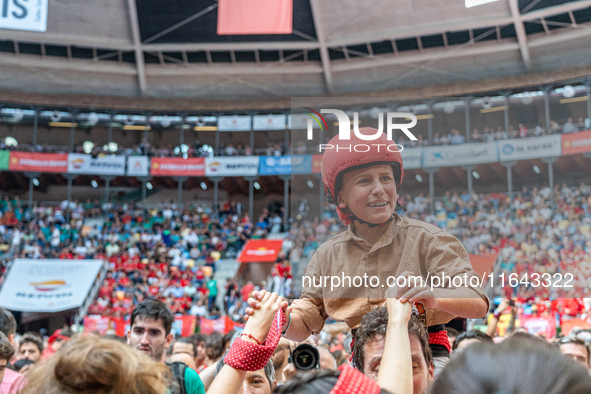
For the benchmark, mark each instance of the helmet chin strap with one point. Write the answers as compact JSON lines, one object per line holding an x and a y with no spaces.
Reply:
{"x":349,"y":217}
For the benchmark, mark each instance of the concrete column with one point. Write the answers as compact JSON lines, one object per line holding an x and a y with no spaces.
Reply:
{"x":550,"y":161}
{"x":251,"y":180}
{"x":180,"y":180}
{"x":431,"y":172}
{"x":107,"y":179}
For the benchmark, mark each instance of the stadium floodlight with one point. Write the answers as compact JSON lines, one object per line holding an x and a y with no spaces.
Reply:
{"x":184,"y":148}
{"x":10,"y":141}
{"x":310,"y":184}
{"x":92,"y":118}
{"x":486,"y":102}
{"x":537,"y":169}
{"x":18,"y":115}
{"x":165,"y":121}
{"x":87,"y":147}
{"x":203,"y":186}
{"x":374,"y":113}
{"x":112,"y":147}
{"x":449,"y":108}
{"x":474,"y":3}
{"x":475,"y":175}
{"x":94,"y":183}
{"x":55,"y":116}
{"x":419,"y":178}
{"x":149,"y":186}
{"x":256,"y":185}
{"x":568,"y":91}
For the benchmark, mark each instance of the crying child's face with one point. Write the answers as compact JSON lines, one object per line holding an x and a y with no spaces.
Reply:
{"x":370,"y":193}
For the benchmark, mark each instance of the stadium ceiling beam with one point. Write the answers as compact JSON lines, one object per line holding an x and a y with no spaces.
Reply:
{"x":521,"y":34}
{"x":236,"y":46}
{"x":137,"y":45}
{"x":555,"y":10}
{"x":324,"y":54}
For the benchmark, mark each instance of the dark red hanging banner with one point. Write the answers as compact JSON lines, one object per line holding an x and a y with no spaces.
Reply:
{"x":255,"y":17}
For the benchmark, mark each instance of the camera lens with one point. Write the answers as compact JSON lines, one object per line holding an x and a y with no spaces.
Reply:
{"x":306,"y":357}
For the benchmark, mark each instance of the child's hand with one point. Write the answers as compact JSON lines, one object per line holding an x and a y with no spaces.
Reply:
{"x":260,"y":322}
{"x":254,"y":304}
{"x":421,"y":294}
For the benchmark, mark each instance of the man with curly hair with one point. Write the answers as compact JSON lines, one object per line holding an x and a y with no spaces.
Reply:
{"x":369,"y":343}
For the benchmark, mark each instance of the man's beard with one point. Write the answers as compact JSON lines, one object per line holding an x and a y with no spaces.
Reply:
{"x":154,"y":353}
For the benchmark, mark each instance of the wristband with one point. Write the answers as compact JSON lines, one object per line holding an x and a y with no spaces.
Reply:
{"x":497,"y":314}
{"x":253,"y":338}
{"x":288,"y":324}
{"x":248,"y":356}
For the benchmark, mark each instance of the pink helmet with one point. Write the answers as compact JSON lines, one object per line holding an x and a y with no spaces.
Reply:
{"x":341,"y":155}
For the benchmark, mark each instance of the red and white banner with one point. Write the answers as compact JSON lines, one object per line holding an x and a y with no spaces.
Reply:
{"x":573,"y":143}
{"x":38,"y":162}
{"x":255,"y":17}
{"x":234,"y":123}
{"x":223,"y":325}
{"x":261,"y":251}
{"x":543,"y":325}
{"x":177,"y":166}
{"x":269,"y":122}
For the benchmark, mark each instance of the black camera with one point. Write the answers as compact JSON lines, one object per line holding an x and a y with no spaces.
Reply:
{"x":305,"y":357}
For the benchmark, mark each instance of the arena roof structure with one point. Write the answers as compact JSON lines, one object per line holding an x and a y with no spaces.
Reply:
{"x":144,"y":50}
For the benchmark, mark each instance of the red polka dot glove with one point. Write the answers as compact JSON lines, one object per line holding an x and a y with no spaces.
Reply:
{"x":440,"y":338}
{"x":248,"y":356}
{"x":351,"y":381}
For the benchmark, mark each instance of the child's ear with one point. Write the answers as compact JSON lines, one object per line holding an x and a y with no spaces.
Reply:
{"x":342,"y":203}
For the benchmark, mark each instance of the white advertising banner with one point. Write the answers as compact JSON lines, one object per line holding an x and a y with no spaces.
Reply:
{"x":412,"y":157}
{"x":86,"y":164}
{"x":269,"y":122}
{"x":23,"y":15}
{"x":458,"y":155}
{"x":234,"y":123}
{"x":232,"y":166}
{"x":48,"y":285}
{"x":530,"y":148}
{"x":300,"y":122}
{"x":138,"y":165}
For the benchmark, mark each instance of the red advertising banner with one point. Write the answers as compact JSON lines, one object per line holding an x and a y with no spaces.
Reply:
{"x":568,"y":325}
{"x":255,"y":17}
{"x":185,"y":325}
{"x":544,"y":325}
{"x":316,"y":160}
{"x":573,"y":143}
{"x":223,"y":325}
{"x":177,"y":166}
{"x":38,"y":162}
{"x":261,"y":251}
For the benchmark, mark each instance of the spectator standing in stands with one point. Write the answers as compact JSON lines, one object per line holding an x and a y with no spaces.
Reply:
{"x":569,"y":127}
{"x":149,"y":332}
{"x":212,"y":287}
{"x":457,"y":138}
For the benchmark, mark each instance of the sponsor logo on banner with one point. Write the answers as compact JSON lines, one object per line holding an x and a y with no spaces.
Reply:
{"x":412,"y":158}
{"x":234,"y":123}
{"x":86,"y":164}
{"x":48,"y":285}
{"x":530,"y":148}
{"x":4,"y":159}
{"x":269,"y":122}
{"x":464,"y":154}
{"x":38,"y":162}
{"x":138,"y":165}
{"x":171,"y":166}
{"x":232,"y":166}
{"x":260,"y":250}
{"x":23,"y":15}
{"x":574,"y":143}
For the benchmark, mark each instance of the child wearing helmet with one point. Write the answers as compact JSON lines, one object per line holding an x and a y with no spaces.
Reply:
{"x":362,"y":179}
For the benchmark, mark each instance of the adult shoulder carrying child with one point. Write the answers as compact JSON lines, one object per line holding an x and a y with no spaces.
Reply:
{"x":350,"y":273}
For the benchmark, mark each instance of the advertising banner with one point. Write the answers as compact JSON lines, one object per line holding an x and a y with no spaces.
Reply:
{"x":316,"y":160}
{"x":261,"y":251}
{"x":138,"y":166}
{"x":285,"y":165}
{"x":177,"y":166}
{"x":234,"y":123}
{"x":86,"y":164}
{"x":232,"y":166}
{"x":530,"y":148}
{"x":38,"y":162}
{"x":456,"y":155}
{"x":48,"y":285}
{"x":24,"y":15}
{"x":574,"y":143}
{"x":4,"y":159}
{"x":300,"y":122}
{"x":412,"y":157}
{"x":269,"y":122}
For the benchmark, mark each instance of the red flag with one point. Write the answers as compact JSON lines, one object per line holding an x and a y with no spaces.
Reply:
{"x":255,"y":17}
